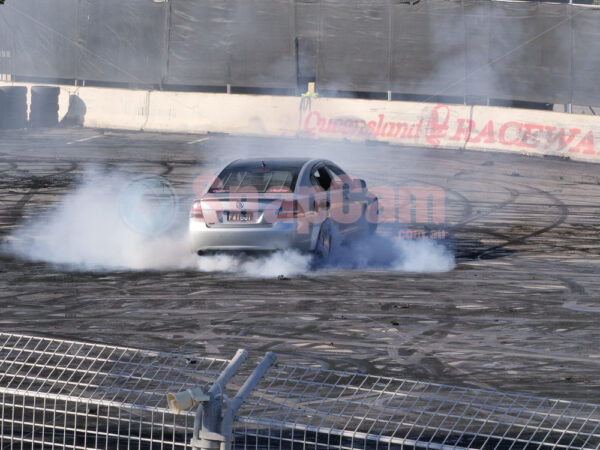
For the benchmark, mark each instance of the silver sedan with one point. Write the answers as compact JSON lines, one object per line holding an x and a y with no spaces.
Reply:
{"x":261,"y":205}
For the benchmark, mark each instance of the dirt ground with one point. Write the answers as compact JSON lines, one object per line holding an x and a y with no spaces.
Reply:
{"x":518,"y":313}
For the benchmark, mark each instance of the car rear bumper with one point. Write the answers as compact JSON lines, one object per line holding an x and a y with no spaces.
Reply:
{"x":279,"y":236}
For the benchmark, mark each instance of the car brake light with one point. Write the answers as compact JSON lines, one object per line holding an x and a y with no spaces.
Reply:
{"x":290,"y":209}
{"x":197,"y":210}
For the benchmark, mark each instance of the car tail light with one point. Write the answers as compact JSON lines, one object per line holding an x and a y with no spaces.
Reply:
{"x":197,"y":210}
{"x":290,"y":209}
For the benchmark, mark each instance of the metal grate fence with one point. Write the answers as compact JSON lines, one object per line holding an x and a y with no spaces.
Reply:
{"x":66,"y":394}
{"x":297,"y":407}
{"x":69,"y":394}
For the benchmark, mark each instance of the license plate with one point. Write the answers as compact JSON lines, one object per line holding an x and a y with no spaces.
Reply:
{"x":239,"y":217}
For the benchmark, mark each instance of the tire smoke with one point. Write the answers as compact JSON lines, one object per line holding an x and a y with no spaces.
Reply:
{"x":88,"y":231}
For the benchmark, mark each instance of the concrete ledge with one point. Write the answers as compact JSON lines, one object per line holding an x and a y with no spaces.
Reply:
{"x":108,"y":108}
{"x":481,"y":128}
{"x":441,"y":126}
{"x":535,"y":132}
{"x":222,"y":113}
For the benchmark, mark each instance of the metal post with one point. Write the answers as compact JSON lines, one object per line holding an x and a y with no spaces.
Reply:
{"x":295,"y":45}
{"x":235,"y":363}
{"x":489,"y":44}
{"x":253,"y":380}
{"x":212,"y":429}
{"x":466,"y":52}
{"x":319,"y":37}
{"x":208,"y":417}
{"x":572,"y":41}
{"x":167,"y":41}
{"x":247,"y":387}
{"x":390,"y":48}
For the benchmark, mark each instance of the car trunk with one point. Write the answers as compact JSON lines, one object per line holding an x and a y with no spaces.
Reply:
{"x":234,"y":210}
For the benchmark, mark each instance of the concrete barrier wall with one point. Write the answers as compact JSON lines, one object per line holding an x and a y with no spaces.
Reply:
{"x":456,"y":126}
{"x":405,"y":123}
{"x":221,"y":113}
{"x":535,"y":132}
{"x":107,"y":108}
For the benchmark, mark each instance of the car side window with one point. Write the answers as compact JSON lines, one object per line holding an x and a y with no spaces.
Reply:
{"x":335,"y":173}
{"x":335,"y":170}
{"x":320,"y":177}
{"x":340,"y":179}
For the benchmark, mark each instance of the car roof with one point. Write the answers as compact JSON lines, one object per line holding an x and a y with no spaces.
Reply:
{"x":249,"y":162}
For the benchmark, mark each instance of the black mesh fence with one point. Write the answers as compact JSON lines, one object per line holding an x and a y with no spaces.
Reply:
{"x":520,"y":50}
{"x":236,"y":42}
{"x":586,"y":57}
{"x":353,"y":46}
{"x":122,"y":41}
{"x":528,"y":51}
{"x":42,"y":40}
{"x":6,"y":46}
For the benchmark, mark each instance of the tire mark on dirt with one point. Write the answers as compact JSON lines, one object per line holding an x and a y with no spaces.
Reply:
{"x":563,"y":214}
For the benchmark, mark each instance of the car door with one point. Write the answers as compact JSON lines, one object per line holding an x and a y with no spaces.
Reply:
{"x":347,"y":199}
{"x":320,"y":180}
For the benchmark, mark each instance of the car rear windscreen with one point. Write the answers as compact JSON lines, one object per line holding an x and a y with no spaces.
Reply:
{"x":270,"y":178}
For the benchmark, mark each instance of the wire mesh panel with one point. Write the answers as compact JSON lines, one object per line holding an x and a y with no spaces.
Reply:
{"x":311,"y":408}
{"x":66,"y":394}
{"x":78,"y":395}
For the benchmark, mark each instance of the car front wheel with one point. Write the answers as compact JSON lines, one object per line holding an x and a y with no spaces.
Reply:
{"x":324,"y":241}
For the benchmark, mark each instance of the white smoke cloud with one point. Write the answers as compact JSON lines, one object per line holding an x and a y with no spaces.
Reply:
{"x":286,"y":263}
{"x":87,"y":231}
{"x":423,"y":256}
{"x":392,"y":253}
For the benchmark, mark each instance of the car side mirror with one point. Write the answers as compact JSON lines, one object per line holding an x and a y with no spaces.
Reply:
{"x":363,"y":185}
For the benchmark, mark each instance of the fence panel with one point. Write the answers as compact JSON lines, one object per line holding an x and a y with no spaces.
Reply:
{"x":69,"y":394}
{"x":264,"y":50}
{"x":43,"y":37}
{"x":246,"y":43}
{"x":6,"y":46}
{"x":299,"y":407}
{"x":123,"y":41}
{"x":200,"y":42}
{"x":307,"y":32}
{"x":528,"y":52}
{"x":354,"y":45}
{"x":586,"y":57}
{"x":428,"y":49}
